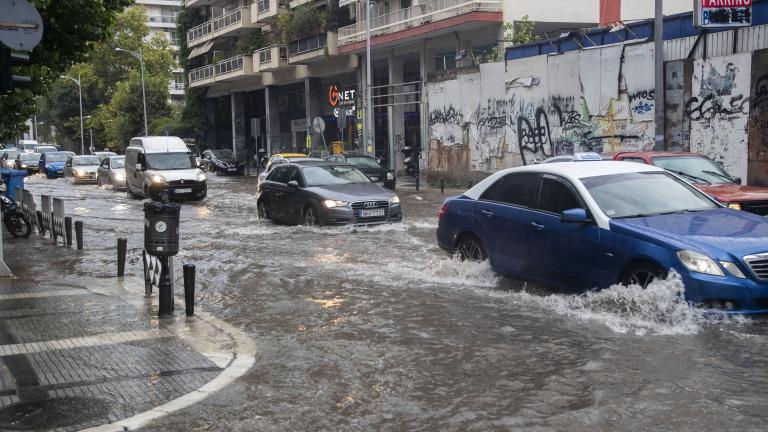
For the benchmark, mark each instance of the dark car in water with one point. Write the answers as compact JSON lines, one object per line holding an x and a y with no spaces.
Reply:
{"x":325,"y":193}
{"x":368,"y":165}
{"x":222,"y":161}
{"x":28,"y":162}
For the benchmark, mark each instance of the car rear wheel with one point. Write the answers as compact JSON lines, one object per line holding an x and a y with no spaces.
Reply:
{"x":470,"y":248}
{"x":310,"y":216}
{"x":641,"y":274}
{"x":263,"y":211}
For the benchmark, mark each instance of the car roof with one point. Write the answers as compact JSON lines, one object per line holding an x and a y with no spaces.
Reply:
{"x":657,"y":153}
{"x":82,"y":156}
{"x":288,"y":155}
{"x":569,"y":170}
{"x":317,"y":162}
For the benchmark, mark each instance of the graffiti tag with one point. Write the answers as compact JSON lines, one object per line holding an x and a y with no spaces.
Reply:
{"x":712,"y":106}
{"x":448,"y":115}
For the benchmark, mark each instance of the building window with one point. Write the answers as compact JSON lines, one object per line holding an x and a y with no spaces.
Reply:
{"x":444,"y":62}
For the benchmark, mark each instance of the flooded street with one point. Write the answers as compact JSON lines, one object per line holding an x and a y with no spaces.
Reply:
{"x":376,"y":328}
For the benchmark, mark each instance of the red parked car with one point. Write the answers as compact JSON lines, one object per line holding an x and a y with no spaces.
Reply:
{"x":708,"y":176}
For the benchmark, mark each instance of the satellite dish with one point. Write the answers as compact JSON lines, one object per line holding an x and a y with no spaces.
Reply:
{"x":318,"y":125}
{"x":21,"y":26}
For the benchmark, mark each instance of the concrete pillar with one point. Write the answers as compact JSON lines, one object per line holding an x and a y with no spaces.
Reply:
{"x":361,"y":107}
{"x":238,"y":122}
{"x":210,"y":131}
{"x":396,"y":113}
{"x":272,"y":115}
{"x":312,"y":98}
{"x":424,"y":106}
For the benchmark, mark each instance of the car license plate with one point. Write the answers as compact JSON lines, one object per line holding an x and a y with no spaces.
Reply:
{"x":375,"y":179}
{"x":183,"y":190}
{"x":372,"y":213}
{"x":232,"y":169}
{"x":380,"y":183}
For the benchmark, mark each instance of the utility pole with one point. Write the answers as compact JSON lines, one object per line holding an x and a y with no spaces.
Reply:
{"x":80,"y":92}
{"x":368,"y":84}
{"x":658,"y":56}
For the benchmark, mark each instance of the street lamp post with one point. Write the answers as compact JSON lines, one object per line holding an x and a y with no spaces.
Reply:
{"x":368,"y":83}
{"x":80,"y":92}
{"x":143,"y":91}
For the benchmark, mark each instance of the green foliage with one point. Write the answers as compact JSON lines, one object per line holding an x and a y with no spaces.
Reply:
{"x":189,"y":120}
{"x":519,"y":32}
{"x":187,"y":19}
{"x":251,"y":42}
{"x":69,"y":33}
{"x":111,"y":81}
{"x":305,"y":21}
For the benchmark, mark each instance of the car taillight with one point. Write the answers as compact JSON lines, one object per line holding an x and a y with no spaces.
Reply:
{"x":443,"y":210}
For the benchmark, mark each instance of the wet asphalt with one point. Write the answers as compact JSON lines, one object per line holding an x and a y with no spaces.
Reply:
{"x":376,"y":328}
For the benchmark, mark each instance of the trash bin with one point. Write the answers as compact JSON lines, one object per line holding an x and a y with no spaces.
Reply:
{"x":12,"y":179}
{"x":161,"y":228}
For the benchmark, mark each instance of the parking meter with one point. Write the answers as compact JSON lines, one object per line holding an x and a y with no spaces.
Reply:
{"x":161,"y":228}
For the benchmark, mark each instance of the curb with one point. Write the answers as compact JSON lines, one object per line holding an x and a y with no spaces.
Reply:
{"x":238,"y":361}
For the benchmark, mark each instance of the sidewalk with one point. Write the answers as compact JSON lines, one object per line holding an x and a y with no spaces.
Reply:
{"x":79,"y":351}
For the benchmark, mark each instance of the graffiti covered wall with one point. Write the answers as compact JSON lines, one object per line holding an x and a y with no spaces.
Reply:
{"x":528,"y":110}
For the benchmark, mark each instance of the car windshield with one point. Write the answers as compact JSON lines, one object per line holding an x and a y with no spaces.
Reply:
{"x":117,"y":162}
{"x":29,"y":146}
{"x":84,"y":161}
{"x":45,"y":149}
{"x":223,"y":154}
{"x":56,"y":157}
{"x":644,"y":194}
{"x":12,"y":154}
{"x":364,"y":162}
{"x":333,"y":175}
{"x":169,"y":161}
{"x":30,"y":156}
{"x":697,"y":169}
{"x":194,"y":149}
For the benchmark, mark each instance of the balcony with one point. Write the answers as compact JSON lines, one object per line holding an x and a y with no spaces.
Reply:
{"x":293,"y":4}
{"x":165,"y":21}
{"x":201,"y":3}
{"x":270,"y":58}
{"x":265,"y":9}
{"x":312,"y":49}
{"x":417,"y":20}
{"x":231,"y":69}
{"x":231,"y":23}
{"x":176,"y":88}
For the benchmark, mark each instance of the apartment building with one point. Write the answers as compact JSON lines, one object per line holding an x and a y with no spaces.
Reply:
{"x":161,"y":18}
{"x":272,"y":66}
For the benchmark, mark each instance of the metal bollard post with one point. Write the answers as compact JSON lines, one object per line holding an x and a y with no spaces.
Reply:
{"x":53,"y":227}
{"x":442,"y":186}
{"x":79,"y":234}
{"x":40,"y":227}
{"x":122,"y":245}
{"x":68,"y":229}
{"x":166,"y":296}
{"x":189,"y":288}
{"x":417,"y":182}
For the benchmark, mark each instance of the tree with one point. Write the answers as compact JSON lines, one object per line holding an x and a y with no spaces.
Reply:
{"x":519,"y":32}
{"x":191,"y":121}
{"x":69,"y":32}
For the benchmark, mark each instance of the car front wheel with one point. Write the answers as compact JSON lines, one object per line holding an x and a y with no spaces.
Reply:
{"x":470,"y":248}
{"x":261,"y":208}
{"x":641,"y":274}
{"x":310,"y":216}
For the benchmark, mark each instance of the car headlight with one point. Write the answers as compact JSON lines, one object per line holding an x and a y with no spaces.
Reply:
{"x":735,"y":206}
{"x":79,"y":173}
{"x":390,"y":176}
{"x":23,"y":165}
{"x":699,"y":263}
{"x":200,"y":176}
{"x":395,"y":200}
{"x":733,"y":269}
{"x":334,"y":203}
{"x":120,"y":176}
{"x":48,"y":166}
{"x":158,"y":179}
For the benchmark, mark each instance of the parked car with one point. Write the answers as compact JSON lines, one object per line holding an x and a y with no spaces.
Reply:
{"x":584,"y":226}
{"x":325,"y":193}
{"x":222,"y":161}
{"x":368,"y":165}
{"x":104,"y":154}
{"x":156,"y":163}
{"x":195,"y":150}
{"x":111,"y":172}
{"x":52,"y":164}
{"x":708,"y":176}
{"x":29,"y":162}
{"x":82,"y":169}
{"x":8,"y":158}
{"x":280,"y":159}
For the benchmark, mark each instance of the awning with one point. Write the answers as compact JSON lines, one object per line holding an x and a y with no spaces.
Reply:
{"x":343,"y":3}
{"x":202,"y":49}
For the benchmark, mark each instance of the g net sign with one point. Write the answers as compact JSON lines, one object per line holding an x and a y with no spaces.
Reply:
{"x":723,"y":13}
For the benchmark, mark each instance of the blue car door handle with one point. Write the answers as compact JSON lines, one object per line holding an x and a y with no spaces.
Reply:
{"x":487,"y":213}
{"x":537,"y":226}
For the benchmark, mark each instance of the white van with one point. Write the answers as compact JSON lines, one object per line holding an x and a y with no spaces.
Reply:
{"x":155,"y":163}
{"x":27,"y":146}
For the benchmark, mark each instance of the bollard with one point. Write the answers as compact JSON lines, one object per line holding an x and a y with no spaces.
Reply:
{"x":122,"y":245}
{"x":52,"y":227}
{"x":189,"y":288}
{"x":40,"y":227}
{"x":417,"y":182}
{"x":166,"y":294}
{"x":68,"y":229}
{"x":442,"y":186}
{"x":79,"y":234}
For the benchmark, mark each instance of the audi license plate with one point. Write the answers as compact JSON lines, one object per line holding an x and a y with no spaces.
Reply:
{"x":231,"y":169}
{"x":372,"y":213}
{"x":183,"y":190}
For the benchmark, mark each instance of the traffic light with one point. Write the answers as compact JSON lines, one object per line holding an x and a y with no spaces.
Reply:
{"x":9,"y":58}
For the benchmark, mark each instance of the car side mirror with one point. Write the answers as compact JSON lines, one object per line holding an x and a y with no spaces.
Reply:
{"x":293,"y":184}
{"x":737,"y":180}
{"x":576,"y":215}
{"x":139,"y":167}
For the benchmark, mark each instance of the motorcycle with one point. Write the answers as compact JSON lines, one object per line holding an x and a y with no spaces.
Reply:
{"x":411,"y":160}
{"x":15,"y":220}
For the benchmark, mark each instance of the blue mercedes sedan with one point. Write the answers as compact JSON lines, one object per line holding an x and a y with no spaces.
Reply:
{"x":52,"y":164}
{"x":584,"y":226}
